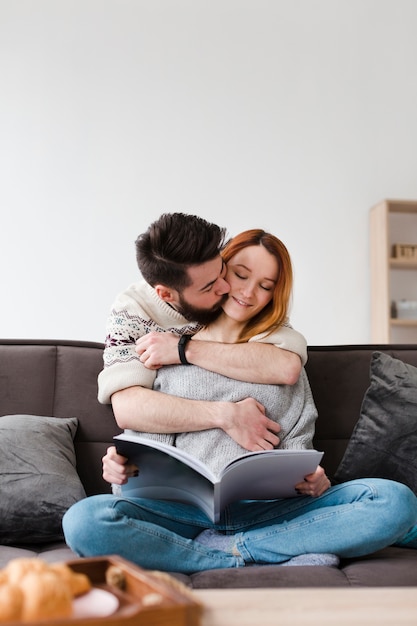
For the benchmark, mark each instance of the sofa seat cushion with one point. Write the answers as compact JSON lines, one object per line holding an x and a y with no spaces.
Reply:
{"x":390,"y":567}
{"x":39,"y":481}
{"x":272,"y":576}
{"x":56,"y":552}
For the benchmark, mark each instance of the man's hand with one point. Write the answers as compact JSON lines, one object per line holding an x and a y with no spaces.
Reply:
{"x":314,"y":484}
{"x":116,"y":468}
{"x":246,"y":423}
{"x":156,"y":349}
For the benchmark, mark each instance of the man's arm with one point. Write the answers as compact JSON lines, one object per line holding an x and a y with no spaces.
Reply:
{"x":274,"y":359}
{"x":249,"y":362}
{"x":147,"y":410}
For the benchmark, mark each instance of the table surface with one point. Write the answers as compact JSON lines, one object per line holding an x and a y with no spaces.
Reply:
{"x":379,"y":606}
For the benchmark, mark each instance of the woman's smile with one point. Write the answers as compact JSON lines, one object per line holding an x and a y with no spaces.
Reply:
{"x":240,"y":302}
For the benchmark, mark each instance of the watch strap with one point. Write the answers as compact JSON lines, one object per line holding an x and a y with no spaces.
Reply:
{"x":183,"y":340}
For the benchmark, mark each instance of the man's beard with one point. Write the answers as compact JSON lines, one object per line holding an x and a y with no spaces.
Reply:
{"x":202,"y":316}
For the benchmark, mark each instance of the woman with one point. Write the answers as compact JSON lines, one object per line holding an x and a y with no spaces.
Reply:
{"x":260,"y":276}
{"x":176,"y":537}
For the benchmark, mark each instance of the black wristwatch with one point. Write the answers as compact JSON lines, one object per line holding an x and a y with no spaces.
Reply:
{"x":183,"y":340}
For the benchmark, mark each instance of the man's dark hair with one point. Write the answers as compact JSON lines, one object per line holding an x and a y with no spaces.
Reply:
{"x":172,"y":244}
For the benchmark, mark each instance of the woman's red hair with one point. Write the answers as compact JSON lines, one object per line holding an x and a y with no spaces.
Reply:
{"x":275,"y":313}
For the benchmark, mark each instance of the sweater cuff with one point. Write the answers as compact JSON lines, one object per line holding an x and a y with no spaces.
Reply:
{"x":121,"y":376}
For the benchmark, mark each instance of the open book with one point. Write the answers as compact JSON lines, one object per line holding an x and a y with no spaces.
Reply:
{"x":169,"y":473}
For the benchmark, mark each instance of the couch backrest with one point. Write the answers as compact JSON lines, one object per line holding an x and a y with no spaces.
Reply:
{"x":339,"y":377}
{"x":59,"y":379}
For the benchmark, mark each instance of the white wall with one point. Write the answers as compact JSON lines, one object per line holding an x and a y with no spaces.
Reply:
{"x":293,"y":115}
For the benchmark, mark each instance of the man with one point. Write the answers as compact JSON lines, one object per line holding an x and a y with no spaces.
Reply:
{"x":182,"y":289}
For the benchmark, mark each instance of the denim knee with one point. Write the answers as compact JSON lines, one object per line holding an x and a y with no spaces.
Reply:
{"x":401,"y":503}
{"x":80,"y":522}
{"x":406,"y":508}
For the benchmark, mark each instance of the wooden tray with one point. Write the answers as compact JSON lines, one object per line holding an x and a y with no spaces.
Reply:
{"x":147,"y":598}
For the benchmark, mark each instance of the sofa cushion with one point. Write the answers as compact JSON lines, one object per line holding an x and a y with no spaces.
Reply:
{"x":39,"y":481}
{"x":384,"y":440}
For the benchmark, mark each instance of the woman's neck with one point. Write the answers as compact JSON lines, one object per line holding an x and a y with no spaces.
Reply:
{"x":223,"y":329}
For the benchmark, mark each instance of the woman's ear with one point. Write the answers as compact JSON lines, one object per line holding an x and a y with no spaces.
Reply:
{"x":166,"y":294}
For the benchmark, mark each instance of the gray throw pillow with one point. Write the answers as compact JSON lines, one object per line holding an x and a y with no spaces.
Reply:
{"x":38,"y":477}
{"x":384,"y":440}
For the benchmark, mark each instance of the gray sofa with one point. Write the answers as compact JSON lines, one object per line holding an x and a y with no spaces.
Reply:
{"x":59,"y":379}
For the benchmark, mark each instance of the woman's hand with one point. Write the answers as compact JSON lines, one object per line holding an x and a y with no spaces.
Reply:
{"x":116,"y":468}
{"x":314,"y":484}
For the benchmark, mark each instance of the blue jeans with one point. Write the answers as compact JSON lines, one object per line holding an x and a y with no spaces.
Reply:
{"x":351,"y":519}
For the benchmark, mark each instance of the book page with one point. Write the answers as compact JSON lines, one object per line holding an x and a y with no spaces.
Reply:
{"x":266,"y":475}
{"x":167,"y":449}
{"x":165,"y":477}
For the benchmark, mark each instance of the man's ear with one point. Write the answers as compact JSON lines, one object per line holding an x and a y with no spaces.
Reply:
{"x":166,"y":294}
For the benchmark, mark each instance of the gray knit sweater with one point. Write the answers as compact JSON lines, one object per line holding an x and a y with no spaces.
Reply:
{"x":292,"y":406}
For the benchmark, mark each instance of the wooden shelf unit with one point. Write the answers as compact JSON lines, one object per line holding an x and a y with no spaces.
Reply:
{"x":392,"y":222}
{"x":403,"y":264}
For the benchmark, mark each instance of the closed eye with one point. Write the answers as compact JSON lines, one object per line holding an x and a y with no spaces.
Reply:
{"x":264,"y":287}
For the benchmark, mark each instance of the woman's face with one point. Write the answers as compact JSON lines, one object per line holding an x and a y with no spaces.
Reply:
{"x":252,"y":274}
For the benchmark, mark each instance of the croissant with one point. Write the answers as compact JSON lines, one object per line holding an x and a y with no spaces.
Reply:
{"x":11,"y":602}
{"x":32,"y":590}
{"x":45,"y":596}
